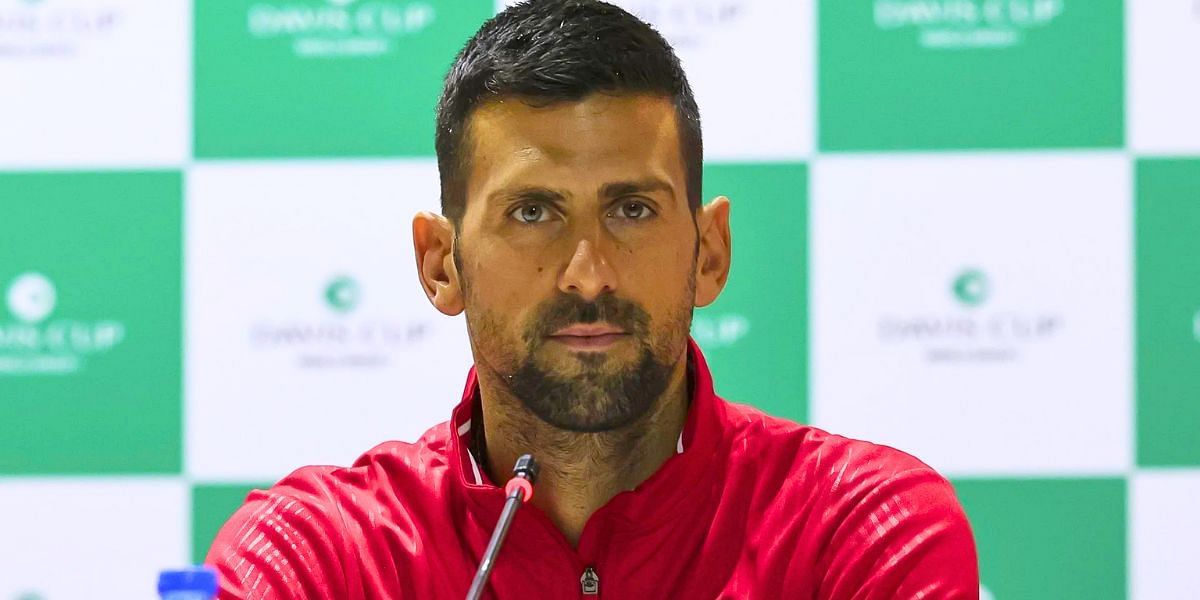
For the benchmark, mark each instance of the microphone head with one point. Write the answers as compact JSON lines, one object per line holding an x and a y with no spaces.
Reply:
{"x":526,"y":467}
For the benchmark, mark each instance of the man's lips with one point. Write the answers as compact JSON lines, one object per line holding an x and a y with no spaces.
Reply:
{"x":597,"y":336}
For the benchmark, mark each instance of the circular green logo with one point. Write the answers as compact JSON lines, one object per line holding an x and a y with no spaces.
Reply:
{"x":342,"y":294}
{"x":971,"y":287}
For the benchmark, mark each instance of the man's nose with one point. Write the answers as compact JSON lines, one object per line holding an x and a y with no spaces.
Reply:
{"x":589,"y":273}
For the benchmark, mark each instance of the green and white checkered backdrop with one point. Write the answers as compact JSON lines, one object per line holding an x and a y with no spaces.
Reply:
{"x":969,"y":229}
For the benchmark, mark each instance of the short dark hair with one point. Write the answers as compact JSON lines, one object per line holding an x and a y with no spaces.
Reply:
{"x":548,"y":51}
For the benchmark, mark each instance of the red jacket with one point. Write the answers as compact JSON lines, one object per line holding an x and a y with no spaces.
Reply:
{"x":752,"y":507}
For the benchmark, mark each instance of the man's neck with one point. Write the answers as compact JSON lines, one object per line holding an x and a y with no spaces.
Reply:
{"x":580,"y":472}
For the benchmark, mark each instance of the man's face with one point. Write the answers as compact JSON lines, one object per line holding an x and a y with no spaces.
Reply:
{"x":577,"y":255}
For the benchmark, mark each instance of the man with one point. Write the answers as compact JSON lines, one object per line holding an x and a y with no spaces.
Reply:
{"x":575,"y":241}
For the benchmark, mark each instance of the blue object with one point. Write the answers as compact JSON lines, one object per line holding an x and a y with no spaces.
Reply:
{"x":194,"y":583}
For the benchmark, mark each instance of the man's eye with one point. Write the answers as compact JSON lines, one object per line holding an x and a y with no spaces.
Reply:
{"x":633,"y":209}
{"x":529,"y":213}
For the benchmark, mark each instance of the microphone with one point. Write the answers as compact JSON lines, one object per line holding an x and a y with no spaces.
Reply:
{"x":519,"y":490}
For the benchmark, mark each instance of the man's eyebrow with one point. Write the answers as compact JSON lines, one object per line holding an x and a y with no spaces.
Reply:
{"x":528,"y":193}
{"x":617,"y":189}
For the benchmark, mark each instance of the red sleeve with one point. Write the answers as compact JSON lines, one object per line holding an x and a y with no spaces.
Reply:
{"x":283,"y":544}
{"x":903,"y":536}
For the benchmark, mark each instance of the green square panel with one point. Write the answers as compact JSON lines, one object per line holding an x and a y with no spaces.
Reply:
{"x":292,"y":78}
{"x":918,"y":75}
{"x":90,"y":323}
{"x":1168,"y":312}
{"x":1048,"y":538}
{"x":755,"y":336}
{"x":212,"y":505}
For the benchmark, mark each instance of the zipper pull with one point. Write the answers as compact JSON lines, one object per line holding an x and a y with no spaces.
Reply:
{"x":589,"y":582}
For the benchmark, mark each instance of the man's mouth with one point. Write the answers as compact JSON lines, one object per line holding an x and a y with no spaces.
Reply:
{"x":593,"y":337}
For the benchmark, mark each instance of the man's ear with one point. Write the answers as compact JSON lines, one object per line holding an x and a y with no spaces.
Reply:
{"x":433,"y":242}
{"x":715,"y":252}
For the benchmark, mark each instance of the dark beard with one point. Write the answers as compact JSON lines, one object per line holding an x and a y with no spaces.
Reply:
{"x":596,"y":400}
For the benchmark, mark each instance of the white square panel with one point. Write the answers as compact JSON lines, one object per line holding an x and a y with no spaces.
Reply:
{"x":309,"y":338}
{"x":1164,"y":534}
{"x":975,"y":310}
{"x":95,"y":83}
{"x":750,"y":64}
{"x":1163,"y":47}
{"x":90,"y":538}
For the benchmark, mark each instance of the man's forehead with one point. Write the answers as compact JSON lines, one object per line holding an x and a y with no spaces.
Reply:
{"x":514,"y":119}
{"x":595,"y":132}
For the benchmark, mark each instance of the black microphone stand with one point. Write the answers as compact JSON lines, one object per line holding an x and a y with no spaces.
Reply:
{"x":519,"y":490}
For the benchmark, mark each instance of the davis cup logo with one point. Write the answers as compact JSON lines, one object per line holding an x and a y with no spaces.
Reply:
{"x":721,"y":331}
{"x":33,"y":343}
{"x":958,"y":24}
{"x":39,"y":29}
{"x":339,"y":28}
{"x":31,"y":297}
{"x":691,"y":22}
{"x":346,"y":333}
{"x":980,"y":328}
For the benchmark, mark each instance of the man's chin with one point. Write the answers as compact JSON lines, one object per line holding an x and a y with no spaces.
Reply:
{"x":589,"y":391}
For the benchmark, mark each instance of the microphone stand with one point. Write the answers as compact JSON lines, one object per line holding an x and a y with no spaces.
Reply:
{"x":519,"y":490}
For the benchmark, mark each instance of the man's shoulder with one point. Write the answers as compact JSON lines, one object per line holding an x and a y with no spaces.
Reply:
{"x":824,"y":462}
{"x":870,"y":519}
{"x":311,"y":525}
{"x":404,"y":470}
{"x":854,"y":497}
{"x":331,"y":506}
